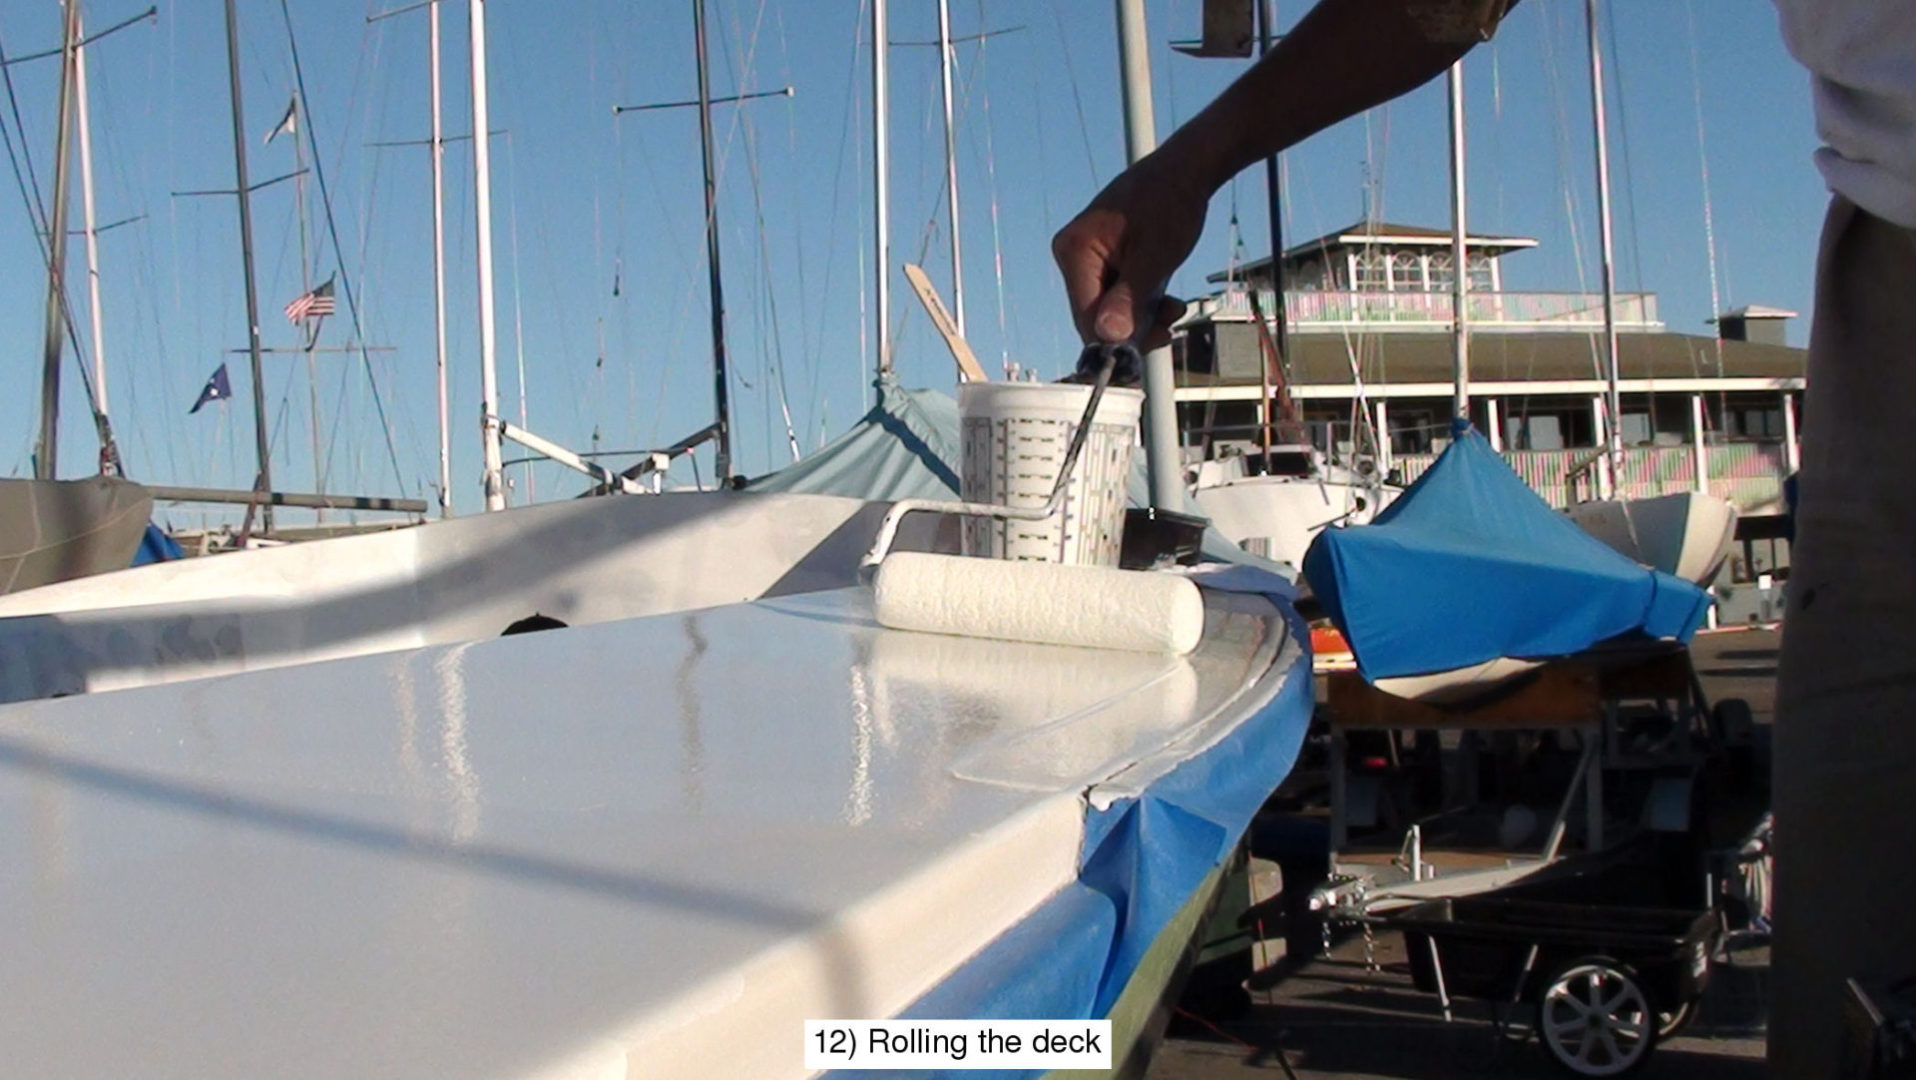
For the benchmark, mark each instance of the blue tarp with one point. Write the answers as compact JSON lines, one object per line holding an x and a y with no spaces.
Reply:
{"x":156,"y":546}
{"x":1470,"y":565}
{"x":1141,"y":861}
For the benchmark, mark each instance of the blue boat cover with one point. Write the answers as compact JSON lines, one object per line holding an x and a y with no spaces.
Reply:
{"x":906,"y":447}
{"x":1470,"y":565}
{"x":156,"y":546}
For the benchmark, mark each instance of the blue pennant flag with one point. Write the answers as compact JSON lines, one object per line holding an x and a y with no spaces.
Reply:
{"x":218,"y":388}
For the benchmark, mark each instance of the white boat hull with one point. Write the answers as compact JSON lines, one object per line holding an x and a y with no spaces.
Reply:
{"x":1276,"y":516}
{"x":1688,"y":534}
{"x":581,"y":561}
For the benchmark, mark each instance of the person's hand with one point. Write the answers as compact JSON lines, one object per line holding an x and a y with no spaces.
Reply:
{"x":1119,"y":252}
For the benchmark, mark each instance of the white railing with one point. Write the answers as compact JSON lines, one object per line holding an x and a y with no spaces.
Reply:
{"x":1747,"y":473}
{"x":1325,"y":311}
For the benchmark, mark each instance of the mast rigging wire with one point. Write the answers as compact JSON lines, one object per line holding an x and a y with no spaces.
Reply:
{"x":1703,"y":164}
{"x":991,"y":190}
{"x":110,"y":461}
{"x":332,"y":230}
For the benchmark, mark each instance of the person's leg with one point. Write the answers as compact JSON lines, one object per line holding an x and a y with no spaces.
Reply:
{"x":1845,"y":746}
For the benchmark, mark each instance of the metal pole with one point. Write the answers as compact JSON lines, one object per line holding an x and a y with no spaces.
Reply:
{"x":1160,"y":385}
{"x":1699,"y":449}
{"x":311,"y":338}
{"x":1792,"y":453}
{"x":46,"y":454}
{"x":722,"y":442}
{"x":1459,"y":256}
{"x":438,"y":149}
{"x":1613,"y":398}
{"x":482,"y":206}
{"x":243,"y":192}
{"x":946,"y":61}
{"x":92,"y":229}
{"x":881,"y":182}
{"x":1274,"y":195}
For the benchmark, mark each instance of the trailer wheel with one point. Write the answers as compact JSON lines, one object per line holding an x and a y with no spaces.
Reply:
{"x":1669,"y":1023}
{"x":1595,"y":1018}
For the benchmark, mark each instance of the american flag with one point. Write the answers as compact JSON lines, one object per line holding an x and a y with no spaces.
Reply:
{"x":313,"y":305}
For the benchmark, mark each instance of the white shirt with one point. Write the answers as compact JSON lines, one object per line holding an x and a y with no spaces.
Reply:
{"x":1862,"y":57}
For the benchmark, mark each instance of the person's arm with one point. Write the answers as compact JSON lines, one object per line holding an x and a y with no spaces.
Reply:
{"x":1342,"y":58}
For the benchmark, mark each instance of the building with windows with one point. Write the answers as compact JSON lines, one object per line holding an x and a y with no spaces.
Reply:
{"x":1369,"y":312}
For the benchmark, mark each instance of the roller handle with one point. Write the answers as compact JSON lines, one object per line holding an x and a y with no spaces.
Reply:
{"x":1101,"y":362}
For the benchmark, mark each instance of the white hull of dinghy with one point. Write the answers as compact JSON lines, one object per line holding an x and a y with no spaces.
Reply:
{"x":1687,"y":534}
{"x":1459,"y":685}
{"x":1276,"y":516}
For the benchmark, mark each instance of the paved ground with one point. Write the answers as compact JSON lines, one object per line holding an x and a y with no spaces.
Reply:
{"x":1340,"y":1018}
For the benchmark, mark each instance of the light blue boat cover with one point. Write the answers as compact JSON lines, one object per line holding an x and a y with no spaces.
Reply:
{"x":907,"y":447}
{"x":1470,"y":565}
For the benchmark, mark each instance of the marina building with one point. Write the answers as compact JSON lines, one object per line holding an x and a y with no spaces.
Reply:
{"x":1368,"y":312}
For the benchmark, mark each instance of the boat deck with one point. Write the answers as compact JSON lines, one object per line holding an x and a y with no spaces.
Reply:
{"x":659,"y":842}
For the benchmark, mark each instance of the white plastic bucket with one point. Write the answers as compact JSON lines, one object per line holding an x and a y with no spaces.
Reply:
{"x":1015,"y":437}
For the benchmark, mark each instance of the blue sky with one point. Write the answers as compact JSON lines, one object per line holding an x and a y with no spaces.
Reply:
{"x":583,"y":200}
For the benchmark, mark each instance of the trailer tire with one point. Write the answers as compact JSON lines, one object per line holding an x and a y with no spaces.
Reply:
{"x":1595,"y":1019}
{"x":1669,"y":1023}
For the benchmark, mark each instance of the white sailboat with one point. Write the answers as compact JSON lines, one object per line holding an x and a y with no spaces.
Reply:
{"x":1687,"y":534}
{"x":1275,"y":512}
{"x":51,"y":529}
{"x":1272,"y":501}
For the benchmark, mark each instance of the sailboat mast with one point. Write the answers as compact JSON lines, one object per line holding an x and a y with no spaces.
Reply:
{"x":482,"y":206}
{"x":243,"y":191}
{"x":1164,"y":468}
{"x":438,"y":149}
{"x":1459,"y":256}
{"x":46,"y":454}
{"x":1274,"y":197}
{"x":722,"y":438}
{"x":881,"y":181}
{"x":1613,"y":399}
{"x":92,"y":226}
{"x":1280,"y":315}
{"x":945,"y":63}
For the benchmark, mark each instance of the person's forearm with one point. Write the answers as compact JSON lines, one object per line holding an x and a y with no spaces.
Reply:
{"x":1343,"y":57}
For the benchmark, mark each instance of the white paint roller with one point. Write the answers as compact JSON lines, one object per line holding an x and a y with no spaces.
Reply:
{"x":1046,"y":603}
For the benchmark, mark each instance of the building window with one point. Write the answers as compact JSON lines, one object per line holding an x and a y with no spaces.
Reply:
{"x":1549,"y":426}
{"x":1637,"y":430}
{"x":1406,"y":272}
{"x":1373,"y":273}
{"x":1442,"y":275}
{"x":1543,"y":431}
{"x":1412,"y":429}
{"x":1758,"y":422}
{"x":1481,"y":278}
{"x":1309,"y":277}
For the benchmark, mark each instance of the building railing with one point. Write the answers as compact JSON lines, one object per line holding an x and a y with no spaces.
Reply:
{"x":1325,"y":311}
{"x":1747,"y":474}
